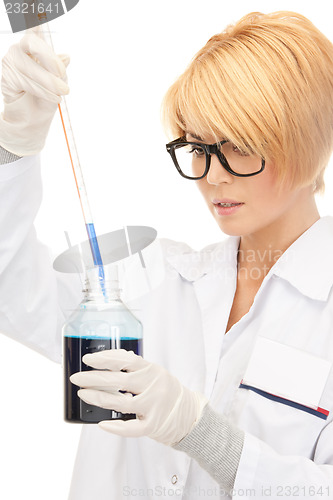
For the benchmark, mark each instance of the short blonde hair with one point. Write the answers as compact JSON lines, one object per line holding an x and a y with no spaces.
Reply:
{"x":265,"y":84}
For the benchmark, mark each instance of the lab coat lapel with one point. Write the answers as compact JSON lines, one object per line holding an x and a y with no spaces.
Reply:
{"x":213,"y":274}
{"x":215,"y":300}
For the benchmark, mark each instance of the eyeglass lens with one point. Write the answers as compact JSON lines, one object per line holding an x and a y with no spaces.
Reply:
{"x":191,"y":159}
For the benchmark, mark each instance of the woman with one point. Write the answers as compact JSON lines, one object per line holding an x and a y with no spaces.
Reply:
{"x":239,"y":398}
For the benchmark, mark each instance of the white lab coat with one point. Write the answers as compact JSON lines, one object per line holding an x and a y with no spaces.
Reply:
{"x":287,"y":450}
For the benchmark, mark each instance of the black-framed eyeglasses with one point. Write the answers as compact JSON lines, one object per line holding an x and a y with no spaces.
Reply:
{"x":193,"y":159}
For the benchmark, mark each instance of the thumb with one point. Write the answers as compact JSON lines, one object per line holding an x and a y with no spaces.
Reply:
{"x":37,"y":30}
{"x":128,"y":428}
{"x":65,"y":59}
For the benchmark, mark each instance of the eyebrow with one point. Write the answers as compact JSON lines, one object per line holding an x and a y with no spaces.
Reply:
{"x":197,"y":137}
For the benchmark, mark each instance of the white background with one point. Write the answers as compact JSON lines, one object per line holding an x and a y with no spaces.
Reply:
{"x":124,"y":55}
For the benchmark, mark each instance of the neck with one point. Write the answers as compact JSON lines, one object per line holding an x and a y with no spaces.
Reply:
{"x":259,"y":251}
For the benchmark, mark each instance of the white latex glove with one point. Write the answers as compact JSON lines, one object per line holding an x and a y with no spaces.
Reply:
{"x":33,"y":79}
{"x":166,"y":410}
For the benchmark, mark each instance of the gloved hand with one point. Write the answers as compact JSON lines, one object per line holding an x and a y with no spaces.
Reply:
{"x":166,"y":410}
{"x":33,"y":79}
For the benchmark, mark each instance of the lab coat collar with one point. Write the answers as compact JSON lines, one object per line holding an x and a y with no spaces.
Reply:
{"x":193,"y":265}
{"x":307,"y":264}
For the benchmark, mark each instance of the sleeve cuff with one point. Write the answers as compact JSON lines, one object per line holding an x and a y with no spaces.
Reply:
{"x":216,"y":445}
{"x":7,"y":157}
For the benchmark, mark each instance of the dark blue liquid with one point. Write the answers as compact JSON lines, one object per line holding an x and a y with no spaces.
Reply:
{"x":77,"y":410}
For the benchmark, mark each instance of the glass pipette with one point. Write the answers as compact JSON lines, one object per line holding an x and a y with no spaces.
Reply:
{"x":76,"y":167}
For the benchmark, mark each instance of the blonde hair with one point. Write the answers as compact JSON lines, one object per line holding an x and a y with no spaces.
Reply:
{"x":266,"y":85}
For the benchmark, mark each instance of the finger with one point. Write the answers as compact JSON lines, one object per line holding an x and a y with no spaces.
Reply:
{"x":128,"y":428}
{"x":112,"y":401}
{"x":115,"y":381}
{"x":20,"y":72}
{"x":38,"y":31}
{"x":134,"y":382}
{"x":33,"y":45}
{"x":115,"y":360}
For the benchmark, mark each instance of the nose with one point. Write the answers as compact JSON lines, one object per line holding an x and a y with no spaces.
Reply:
{"x":217,"y":174}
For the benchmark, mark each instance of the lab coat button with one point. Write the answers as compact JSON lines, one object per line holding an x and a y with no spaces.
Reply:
{"x":174,"y":479}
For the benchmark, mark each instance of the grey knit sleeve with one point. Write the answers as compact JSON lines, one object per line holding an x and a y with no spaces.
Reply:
{"x":216,"y":445}
{"x":7,"y":157}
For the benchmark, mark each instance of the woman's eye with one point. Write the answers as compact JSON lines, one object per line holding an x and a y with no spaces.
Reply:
{"x":235,"y":149}
{"x":196,"y":151}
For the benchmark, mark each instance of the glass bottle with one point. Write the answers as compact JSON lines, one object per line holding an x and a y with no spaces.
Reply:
{"x":102,"y":321}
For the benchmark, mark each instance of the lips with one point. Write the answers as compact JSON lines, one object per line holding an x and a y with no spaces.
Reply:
{"x":226,"y":206}
{"x":226,"y":202}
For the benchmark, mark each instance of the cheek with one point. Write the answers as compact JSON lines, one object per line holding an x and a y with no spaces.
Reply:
{"x":264,"y":187}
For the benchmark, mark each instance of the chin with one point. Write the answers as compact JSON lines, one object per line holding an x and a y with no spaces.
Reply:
{"x":232,"y":228}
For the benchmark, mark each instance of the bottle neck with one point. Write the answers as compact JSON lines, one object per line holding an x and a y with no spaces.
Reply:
{"x":105,"y":295}
{"x":102,"y":285}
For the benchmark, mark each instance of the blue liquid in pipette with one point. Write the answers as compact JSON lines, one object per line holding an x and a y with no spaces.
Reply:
{"x":97,"y":258}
